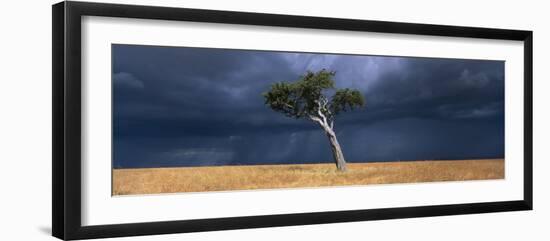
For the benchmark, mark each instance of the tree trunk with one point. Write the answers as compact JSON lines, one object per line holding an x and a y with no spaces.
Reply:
{"x":337,"y":153}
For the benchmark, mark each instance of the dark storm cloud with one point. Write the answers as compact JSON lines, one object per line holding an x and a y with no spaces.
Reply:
{"x":446,"y":89}
{"x":196,"y":106}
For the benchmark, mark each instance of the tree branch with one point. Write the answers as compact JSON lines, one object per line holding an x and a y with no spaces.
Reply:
{"x":320,"y":113}
{"x":326,"y":110}
{"x":316,"y":119}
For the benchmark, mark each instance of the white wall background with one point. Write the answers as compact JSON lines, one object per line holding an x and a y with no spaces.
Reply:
{"x":25,"y":123}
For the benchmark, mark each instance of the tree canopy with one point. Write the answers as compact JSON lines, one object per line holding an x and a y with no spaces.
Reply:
{"x":307,"y":97}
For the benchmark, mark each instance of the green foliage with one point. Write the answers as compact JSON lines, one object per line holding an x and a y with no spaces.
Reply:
{"x":306,"y":96}
{"x":346,"y":99}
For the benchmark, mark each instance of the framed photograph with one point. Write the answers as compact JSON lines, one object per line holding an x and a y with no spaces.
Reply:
{"x":169,"y":120}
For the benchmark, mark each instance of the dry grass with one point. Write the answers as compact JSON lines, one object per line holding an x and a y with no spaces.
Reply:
{"x":201,"y":179}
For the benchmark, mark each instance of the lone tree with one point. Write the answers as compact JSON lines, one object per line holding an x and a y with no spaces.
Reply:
{"x":306,"y":98}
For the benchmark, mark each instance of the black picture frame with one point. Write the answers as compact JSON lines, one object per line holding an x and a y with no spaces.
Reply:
{"x":66,"y":164}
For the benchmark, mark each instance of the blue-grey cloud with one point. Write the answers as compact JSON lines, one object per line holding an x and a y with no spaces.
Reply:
{"x":199,"y":106}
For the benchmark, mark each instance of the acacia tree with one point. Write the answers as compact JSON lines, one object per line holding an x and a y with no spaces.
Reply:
{"x":307,"y":98}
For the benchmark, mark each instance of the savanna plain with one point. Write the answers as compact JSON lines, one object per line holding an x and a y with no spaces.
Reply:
{"x":225,"y":178}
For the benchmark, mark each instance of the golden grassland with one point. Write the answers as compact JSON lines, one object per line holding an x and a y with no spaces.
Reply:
{"x":223,"y":178}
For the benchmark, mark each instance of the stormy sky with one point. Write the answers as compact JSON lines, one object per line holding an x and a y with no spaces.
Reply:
{"x":179,"y":106}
